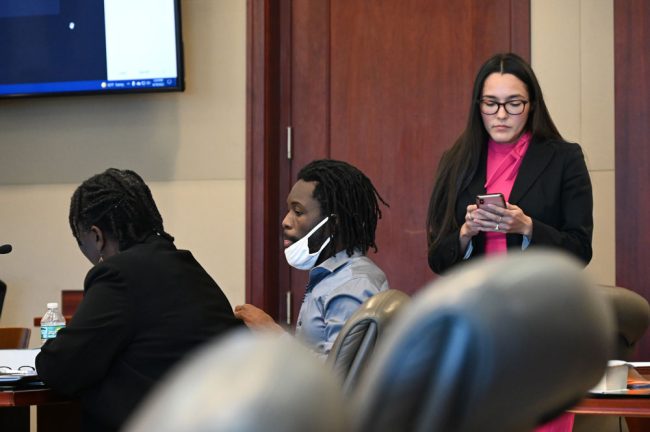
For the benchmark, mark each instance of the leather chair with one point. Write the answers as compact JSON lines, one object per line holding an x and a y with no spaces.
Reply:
{"x":632,"y":314}
{"x":357,"y":339}
{"x":632,"y":317}
{"x":502,"y":344}
{"x":14,"y":337}
{"x":246,"y":382}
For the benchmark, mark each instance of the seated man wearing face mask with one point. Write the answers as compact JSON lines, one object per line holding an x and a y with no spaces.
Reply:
{"x":333,"y":210}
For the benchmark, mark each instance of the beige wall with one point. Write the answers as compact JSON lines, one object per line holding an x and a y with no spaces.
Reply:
{"x":573,"y":57}
{"x":189,"y":147}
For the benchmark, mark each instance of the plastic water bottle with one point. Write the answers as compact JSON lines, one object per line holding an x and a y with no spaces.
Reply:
{"x":52,"y":322}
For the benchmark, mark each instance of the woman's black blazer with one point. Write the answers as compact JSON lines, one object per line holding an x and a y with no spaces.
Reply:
{"x":552,"y":187}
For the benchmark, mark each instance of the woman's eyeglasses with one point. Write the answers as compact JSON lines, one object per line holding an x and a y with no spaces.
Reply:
{"x":512,"y":107}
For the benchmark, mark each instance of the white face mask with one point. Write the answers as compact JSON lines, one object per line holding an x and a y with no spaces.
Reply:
{"x":298,"y":255}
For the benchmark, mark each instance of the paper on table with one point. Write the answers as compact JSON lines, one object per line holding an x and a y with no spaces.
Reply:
{"x":15,"y":358}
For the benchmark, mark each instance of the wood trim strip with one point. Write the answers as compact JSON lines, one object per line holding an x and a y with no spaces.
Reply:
{"x":261,"y":165}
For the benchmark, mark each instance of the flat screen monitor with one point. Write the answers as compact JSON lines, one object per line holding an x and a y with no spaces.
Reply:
{"x":50,"y":47}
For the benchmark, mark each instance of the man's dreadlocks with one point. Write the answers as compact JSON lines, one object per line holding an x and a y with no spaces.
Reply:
{"x":344,"y":191}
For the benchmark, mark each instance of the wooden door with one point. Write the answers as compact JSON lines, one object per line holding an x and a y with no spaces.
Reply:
{"x":384,"y":85}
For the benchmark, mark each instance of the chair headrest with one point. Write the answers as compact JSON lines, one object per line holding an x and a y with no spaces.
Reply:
{"x":246,"y":383}
{"x":356,"y":341}
{"x":499,"y":344}
{"x":632,"y":314}
{"x":378,"y":311}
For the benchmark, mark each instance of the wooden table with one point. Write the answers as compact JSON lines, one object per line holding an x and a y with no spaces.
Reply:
{"x":53,"y":413}
{"x":636,"y":409}
{"x":614,"y":405}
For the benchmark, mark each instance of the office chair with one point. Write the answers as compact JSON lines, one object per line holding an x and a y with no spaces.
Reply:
{"x":246,"y":382}
{"x":632,"y":317}
{"x":357,"y":339}
{"x":14,"y":337}
{"x":502,"y":344}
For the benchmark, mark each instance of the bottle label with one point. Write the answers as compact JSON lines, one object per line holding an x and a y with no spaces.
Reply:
{"x":50,"y":331}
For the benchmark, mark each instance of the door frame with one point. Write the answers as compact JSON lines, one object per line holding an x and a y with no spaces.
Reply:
{"x":266,"y":165}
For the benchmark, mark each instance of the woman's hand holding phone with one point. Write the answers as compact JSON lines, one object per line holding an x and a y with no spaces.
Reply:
{"x":495,"y":215}
{"x":490,"y":213}
{"x":514,"y":220}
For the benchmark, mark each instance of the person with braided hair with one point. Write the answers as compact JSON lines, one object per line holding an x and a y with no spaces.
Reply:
{"x":146,"y":304}
{"x":333,"y":210}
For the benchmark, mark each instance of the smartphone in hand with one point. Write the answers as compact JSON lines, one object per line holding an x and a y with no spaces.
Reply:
{"x":494,"y":198}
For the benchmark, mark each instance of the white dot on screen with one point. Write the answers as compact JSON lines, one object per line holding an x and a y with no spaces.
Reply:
{"x":71,"y":25}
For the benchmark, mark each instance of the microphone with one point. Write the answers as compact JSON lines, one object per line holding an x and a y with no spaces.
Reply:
{"x":5,"y":249}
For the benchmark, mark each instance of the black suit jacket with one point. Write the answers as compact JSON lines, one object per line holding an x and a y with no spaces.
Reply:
{"x":552,"y":187}
{"x":143,"y":310}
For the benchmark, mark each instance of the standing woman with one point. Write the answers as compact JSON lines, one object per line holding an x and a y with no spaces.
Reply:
{"x":509,"y":146}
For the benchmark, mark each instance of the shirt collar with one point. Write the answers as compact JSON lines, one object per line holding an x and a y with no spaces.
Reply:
{"x":329,"y":266}
{"x":341,"y":258}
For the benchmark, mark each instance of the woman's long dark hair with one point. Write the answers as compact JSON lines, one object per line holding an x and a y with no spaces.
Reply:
{"x":458,"y":165}
{"x":120,"y":203}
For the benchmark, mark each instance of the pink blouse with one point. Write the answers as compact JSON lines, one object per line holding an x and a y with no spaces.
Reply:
{"x":503,"y":162}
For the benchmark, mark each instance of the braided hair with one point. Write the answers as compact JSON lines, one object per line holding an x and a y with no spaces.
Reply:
{"x":118,"y":202}
{"x":344,"y":191}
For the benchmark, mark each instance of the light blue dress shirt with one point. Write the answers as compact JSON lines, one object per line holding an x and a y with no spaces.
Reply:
{"x":336,"y":289}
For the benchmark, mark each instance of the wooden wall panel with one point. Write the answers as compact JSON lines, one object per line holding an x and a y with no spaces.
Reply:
{"x":632,"y":119}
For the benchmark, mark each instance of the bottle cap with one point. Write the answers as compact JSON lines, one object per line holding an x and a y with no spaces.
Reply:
{"x":52,"y":305}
